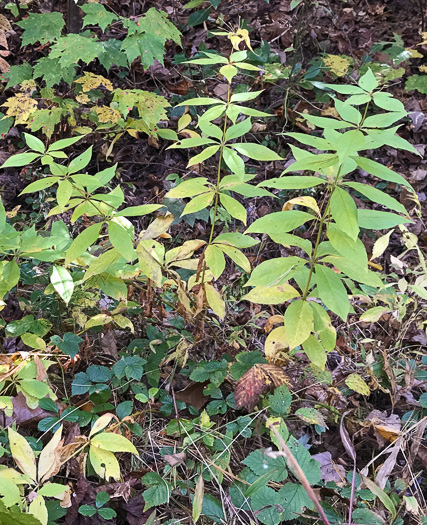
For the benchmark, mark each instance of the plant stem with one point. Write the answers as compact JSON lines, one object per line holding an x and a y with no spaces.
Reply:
{"x":319,"y":235}
{"x":218,"y":180}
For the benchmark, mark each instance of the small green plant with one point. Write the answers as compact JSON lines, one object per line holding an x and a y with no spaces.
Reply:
{"x":102,"y":498}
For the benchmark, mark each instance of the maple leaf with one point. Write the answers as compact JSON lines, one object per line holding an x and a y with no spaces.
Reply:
{"x":96,"y":14}
{"x":41,"y":28}
{"x":21,"y":106}
{"x":261,"y":378}
{"x":46,"y":120}
{"x":91,"y":81}
{"x":65,"y":49}
{"x":52,"y":73}
{"x":107,"y":114}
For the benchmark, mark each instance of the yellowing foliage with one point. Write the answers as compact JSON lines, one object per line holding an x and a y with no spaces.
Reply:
{"x":337,"y":64}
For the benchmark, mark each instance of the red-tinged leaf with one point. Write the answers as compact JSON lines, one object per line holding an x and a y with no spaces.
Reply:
{"x":261,"y":378}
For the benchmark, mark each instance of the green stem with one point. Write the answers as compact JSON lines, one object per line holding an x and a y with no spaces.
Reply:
{"x":322,"y":222}
{"x":218,"y":180}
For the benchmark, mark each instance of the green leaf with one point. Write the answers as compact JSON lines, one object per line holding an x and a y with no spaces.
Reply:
{"x":378,"y":196}
{"x":245,"y":96}
{"x":159,"y":491}
{"x":122,"y":240}
{"x":198,"y":203}
{"x":96,"y":14}
{"x":82,"y":242}
{"x":198,"y":17}
{"x":239,"y":240}
{"x":244,"y":362}
{"x":417,"y":83}
{"x":386,"y":101}
{"x":234,"y":208}
{"x":256,"y":151}
{"x":332,"y":291}
{"x":209,"y":129}
{"x":368,"y":81}
{"x":298,"y":323}
{"x":34,"y":143}
{"x":326,"y":123}
{"x":229,"y":72}
{"x":260,"y":464}
{"x":309,"y":466}
{"x":40,"y":185}
{"x":380,"y":171}
{"x":312,"y":162}
{"x":346,"y":246}
{"x":107,"y":514}
{"x":238,"y":130}
{"x":34,"y":388}
{"x":65,"y":49}
{"x":234,"y":162}
{"x":80,"y":162}
{"x":22,"y":159}
{"x":280,"y":222}
{"x":188,"y":188}
{"x":215,"y":260}
{"x":64,"y":192}
{"x":69,"y":344}
{"x":63,"y":282}
{"x":315,"y":352}
{"x":17,"y":74}
{"x":384,"y":498}
{"x":383,"y":120}
{"x":293,"y":182}
{"x":274,"y":272}
{"x":343,"y":89}
{"x":201,"y":101}
{"x":380,"y":220}
{"x":344,"y":212}
{"x":102,"y":263}
{"x":271,"y":294}
{"x":280,"y":401}
{"x":294,"y":499}
{"x":236,"y":255}
{"x":204,"y":155}
{"x":42,"y":28}
{"x":138,"y":211}
{"x":348,"y":112}
{"x":33,"y":341}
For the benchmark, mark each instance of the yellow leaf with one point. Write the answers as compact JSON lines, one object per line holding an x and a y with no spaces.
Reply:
{"x":91,"y":81}
{"x":198,"y":498}
{"x":241,"y":35}
{"x":113,"y":443}
{"x":415,"y":53}
{"x":22,"y":453}
{"x":101,"y":423}
{"x":356,"y":383}
{"x":184,"y":121}
{"x":38,"y":509}
{"x":423,"y":69}
{"x":275,"y":345}
{"x":215,"y":300}
{"x":21,"y":106}
{"x":337,"y":64}
{"x":308,"y":202}
{"x":107,"y":114}
{"x":424,"y":39}
{"x":49,"y":459}
{"x":104,"y":463}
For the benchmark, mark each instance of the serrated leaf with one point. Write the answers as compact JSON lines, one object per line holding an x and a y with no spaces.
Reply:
{"x":42,"y":28}
{"x":258,"y":380}
{"x":96,"y":14}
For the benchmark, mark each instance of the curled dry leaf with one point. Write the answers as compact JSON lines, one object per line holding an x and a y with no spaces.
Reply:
{"x":193,"y":395}
{"x":50,"y":457}
{"x":260,"y":379}
{"x":175,"y":459}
